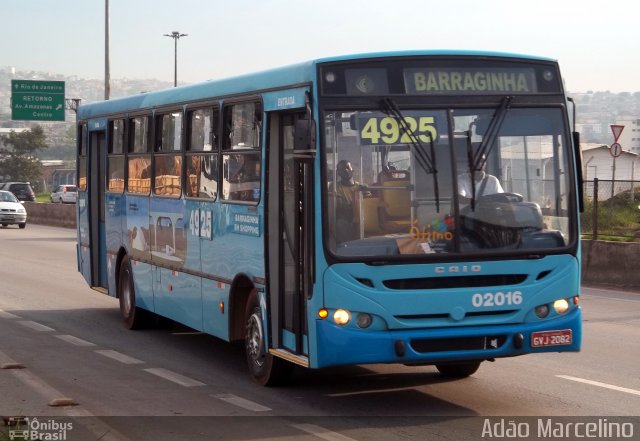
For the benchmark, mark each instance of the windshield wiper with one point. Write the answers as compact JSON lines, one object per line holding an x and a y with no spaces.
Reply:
{"x":477,"y":161}
{"x":425,"y":160}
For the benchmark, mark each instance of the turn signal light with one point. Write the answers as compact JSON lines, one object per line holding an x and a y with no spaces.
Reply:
{"x":323,"y":313}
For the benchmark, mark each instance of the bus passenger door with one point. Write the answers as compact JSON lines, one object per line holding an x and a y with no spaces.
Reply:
{"x":96,"y":175}
{"x":289,"y":210}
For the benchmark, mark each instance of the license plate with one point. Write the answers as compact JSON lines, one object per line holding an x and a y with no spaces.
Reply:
{"x":551,"y":338}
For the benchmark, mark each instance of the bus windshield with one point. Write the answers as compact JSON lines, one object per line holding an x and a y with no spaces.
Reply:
{"x":421,"y":181}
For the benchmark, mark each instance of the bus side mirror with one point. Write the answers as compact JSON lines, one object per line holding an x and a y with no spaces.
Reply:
{"x":579,"y":170}
{"x":304,"y":139}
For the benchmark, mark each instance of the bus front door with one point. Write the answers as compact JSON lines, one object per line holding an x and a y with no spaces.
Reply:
{"x":96,"y":174}
{"x":289,"y":211}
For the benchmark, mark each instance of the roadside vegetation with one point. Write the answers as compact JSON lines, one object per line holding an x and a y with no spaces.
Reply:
{"x":618,"y":218}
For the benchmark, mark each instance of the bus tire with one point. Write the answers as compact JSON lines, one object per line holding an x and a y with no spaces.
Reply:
{"x":458,"y":370}
{"x":134,"y":317}
{"x":265,"y":369}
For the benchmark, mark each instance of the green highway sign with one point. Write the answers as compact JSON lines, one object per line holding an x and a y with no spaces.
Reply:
{"x":37,"y":100}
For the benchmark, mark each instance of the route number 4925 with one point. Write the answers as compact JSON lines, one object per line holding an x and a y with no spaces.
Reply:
{"x":200,"y":223}
{"x":388,"y":130}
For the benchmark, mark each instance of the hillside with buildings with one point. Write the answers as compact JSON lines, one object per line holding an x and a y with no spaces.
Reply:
{"x":61,"y":134}
{"x":596,"y":111}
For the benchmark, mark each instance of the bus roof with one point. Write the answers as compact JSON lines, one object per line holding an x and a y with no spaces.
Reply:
{"x":297,"y":74}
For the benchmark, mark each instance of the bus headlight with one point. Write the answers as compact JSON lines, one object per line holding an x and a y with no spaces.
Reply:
{"x":341,"y":317}
{"x":561,"y":306}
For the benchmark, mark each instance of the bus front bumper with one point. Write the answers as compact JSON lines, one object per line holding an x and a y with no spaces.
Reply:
{"x":347,"y":346}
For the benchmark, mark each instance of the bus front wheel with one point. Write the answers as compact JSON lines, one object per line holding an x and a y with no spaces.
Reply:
{"x":134,"y":317}
{"x":458,"y":370}
{"x":265,"y":369}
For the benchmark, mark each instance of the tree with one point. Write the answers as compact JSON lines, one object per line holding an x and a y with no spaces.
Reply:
{"x":18,"y":160}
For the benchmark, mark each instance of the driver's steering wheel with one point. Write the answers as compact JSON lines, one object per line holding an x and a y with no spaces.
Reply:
{"x":501,"y":197}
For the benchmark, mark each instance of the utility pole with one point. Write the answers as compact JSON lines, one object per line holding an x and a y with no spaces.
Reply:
{"x":107,"y":74}
{"x":176,"y":36}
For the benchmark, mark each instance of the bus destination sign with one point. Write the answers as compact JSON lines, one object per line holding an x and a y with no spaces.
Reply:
{"x":469,"y":81}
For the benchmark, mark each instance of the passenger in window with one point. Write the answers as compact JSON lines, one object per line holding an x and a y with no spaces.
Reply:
{"x":347,"y":198}
{"x":244,"y":178}
{"x":236,"y":168}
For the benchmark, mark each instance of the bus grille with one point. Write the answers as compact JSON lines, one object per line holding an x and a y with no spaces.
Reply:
{"x":455,"y":282}
{"x":442,"y":316}
{"x":458,"y":344}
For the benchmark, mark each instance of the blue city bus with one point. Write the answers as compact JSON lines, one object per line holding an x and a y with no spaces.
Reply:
{"x":416,"y":207}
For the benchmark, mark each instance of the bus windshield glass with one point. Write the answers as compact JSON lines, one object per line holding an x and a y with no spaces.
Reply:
{"x":419,"y":181}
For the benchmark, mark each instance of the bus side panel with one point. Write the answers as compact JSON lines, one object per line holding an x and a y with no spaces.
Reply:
{"x":199,"y":240}
{"x":215,"y":317}
{"x":84,"y":253}
{"x":138,"y":236}
{"x":113,"y":227}
{"x":142,"y":282}
{"x":177,"y":295}
{"x":238,"y":231}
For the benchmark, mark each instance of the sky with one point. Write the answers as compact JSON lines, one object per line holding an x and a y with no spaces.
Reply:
{"x":596,"y":43}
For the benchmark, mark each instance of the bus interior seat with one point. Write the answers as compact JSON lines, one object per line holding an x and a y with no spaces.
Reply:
{"x":396,"y":202}
{"x":370,"y":207}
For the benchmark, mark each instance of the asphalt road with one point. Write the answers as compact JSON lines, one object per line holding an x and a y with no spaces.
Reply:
{"x":65,"y":354}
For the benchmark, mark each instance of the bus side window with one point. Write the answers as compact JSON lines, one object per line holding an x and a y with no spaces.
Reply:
{"x":115,"y":164}
{"x":242,"y":154}
{"x":139,"y":160}
{"x":202,"y":153}
{"x":168,"y":160}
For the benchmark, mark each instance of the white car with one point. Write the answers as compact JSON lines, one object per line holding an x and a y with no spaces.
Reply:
{"x":64,"y":194}
{"x":12,"y":211}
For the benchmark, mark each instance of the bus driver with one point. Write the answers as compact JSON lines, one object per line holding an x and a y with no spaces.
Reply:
{"x":485,"y":183}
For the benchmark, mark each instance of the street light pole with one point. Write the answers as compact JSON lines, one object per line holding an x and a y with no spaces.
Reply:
{"x":107,"y":69}
{"x":176,"y":36}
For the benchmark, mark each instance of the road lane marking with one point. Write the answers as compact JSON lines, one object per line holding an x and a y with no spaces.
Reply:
{"x":48,"y":392}
{"x":36,"y":326}
{"x":7,"y":315}
{"x":118,"y":356}
{"x":74,"y":340}
{"x":599,"y":384}
{"x":241,"y":402}
{"x":174,"y":377}
{"x":321,"y":432}
{"x":589,"y":296}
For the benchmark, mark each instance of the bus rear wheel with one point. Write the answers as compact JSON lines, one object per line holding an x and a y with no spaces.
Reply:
{"x":264,"y":368}
{"x":458,"y":370}
{"x":134,"y":317}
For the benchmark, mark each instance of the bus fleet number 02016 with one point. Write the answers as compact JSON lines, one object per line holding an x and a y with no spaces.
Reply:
{"x":496,"y":299}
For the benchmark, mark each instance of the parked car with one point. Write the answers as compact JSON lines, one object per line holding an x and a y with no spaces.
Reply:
{"x":12,"y":211}
{"x":22,"y":190}
{"x":64,"y":194}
